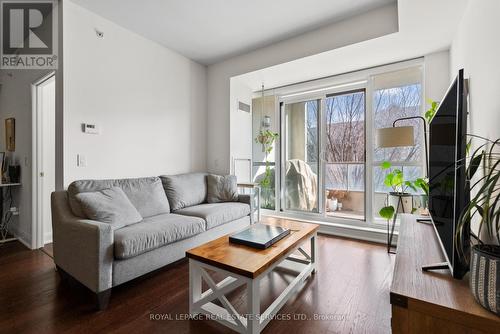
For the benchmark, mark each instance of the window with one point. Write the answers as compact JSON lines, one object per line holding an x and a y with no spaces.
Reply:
{"x":323,"y":169}
{"x":398,"y":95}
{"x":391,"y":104}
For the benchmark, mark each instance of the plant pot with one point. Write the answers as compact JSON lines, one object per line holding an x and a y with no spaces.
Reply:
{"x":485,"y":276}
{"x":406,"y":198}
{"x":332,"y":204}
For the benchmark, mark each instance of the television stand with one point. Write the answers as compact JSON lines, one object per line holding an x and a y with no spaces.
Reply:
{"x":431,"y":303}
{"x":436,"y":266}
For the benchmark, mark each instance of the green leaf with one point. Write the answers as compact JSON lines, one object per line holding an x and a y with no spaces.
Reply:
{"x":387,"y":212}
{"x":413,"y":210}
{"x":474,"y":165}
{"x":429,"y":114}
{"x":388,"y":179}
{"x":468,"y":146}
{"x":397,"y":180}
{"x":410,"y":185}
{"x":422,"y":184}
{"x":385,"y":165}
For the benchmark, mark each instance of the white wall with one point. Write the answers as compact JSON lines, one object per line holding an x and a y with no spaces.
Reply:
{"x":476,"y":49}
{"x":436,"y":75}
{"x":149,"y":102}
{"x":373,"y":24}
{"x":240,"y":125}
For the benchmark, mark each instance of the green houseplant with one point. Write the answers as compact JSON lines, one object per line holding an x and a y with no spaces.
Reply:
{"x":267,"y":138}
{"x":399,"y":185}
{"x":429,"y":114}
{"x":483,"y":211}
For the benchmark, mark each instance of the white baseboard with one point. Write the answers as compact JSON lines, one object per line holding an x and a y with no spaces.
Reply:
{"x":22,"y":238}
{"x":372,"y":234}
{"x":47,"y":238}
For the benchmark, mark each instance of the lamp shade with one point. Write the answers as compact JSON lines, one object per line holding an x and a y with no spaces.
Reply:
{"x":395,"y":137}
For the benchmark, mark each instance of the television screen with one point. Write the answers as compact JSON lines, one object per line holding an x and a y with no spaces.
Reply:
{"x":447,"y":192}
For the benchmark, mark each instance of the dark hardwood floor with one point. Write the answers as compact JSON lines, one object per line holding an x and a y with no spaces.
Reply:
{"x":350,"y":291}
{"x":48,"y":249}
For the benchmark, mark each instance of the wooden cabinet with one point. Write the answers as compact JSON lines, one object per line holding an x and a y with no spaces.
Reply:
{"x":431,"y":302}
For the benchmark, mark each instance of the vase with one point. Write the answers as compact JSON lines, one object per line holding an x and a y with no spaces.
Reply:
{"x":485,"y":276}
{"x":332,"y":204}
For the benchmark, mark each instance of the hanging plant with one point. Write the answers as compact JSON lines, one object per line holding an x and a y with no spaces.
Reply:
{"x":266,"y":138}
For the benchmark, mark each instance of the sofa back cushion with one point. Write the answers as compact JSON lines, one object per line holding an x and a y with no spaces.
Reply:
{"x":146,"y":194}
{"x":185,"y":190}
{"x":221,"y":188}
{"x":110,"y":206}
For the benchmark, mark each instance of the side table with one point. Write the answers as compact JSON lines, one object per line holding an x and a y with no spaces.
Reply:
{"x":4,"y":221}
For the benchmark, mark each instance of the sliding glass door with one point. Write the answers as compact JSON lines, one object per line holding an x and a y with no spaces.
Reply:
{"x":323,"y":169}
{"x":301,"y":150}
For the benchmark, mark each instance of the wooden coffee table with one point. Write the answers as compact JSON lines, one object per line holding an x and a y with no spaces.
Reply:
{"x":246,"y":266}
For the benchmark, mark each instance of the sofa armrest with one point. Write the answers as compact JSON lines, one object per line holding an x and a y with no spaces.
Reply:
{"x":248,"y":199}
{"x":83,"y":248}
{"x":245,"y":198}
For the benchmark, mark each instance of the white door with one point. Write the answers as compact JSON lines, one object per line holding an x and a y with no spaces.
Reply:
{"x":45,"y":101}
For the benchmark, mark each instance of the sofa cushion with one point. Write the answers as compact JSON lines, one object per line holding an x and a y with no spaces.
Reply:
{"x":154,"y":232}
{"x":109,"y":206}
{"x":217,"y":213}
{"x":146,"y":194}
{"x":185,"y":190}
{"x":221,"y":188}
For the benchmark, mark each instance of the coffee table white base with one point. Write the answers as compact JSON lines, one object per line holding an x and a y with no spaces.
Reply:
{"x":254,"y":321}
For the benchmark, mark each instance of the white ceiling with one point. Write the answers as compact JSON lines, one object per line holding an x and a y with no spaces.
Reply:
{"x":209,"y":31}
{"x":425,"y":26}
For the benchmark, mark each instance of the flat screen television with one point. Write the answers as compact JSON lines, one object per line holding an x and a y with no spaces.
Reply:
{"x":448,"y":194}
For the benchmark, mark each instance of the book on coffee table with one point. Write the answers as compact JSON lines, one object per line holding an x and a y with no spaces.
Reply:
{"x":259,"y":235}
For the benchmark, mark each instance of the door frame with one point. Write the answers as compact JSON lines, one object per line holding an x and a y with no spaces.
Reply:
{"x":37,"y":240}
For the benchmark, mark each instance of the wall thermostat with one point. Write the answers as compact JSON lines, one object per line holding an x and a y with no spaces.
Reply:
{"x":92,"y":129}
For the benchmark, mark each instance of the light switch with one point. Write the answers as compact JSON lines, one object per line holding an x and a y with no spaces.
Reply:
{"x":81,"y":160}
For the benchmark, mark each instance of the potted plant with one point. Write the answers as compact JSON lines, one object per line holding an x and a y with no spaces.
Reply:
{"x":334,"y":197}
{"x":332,"y":201}
{"x":483,"y":210}
{"x":267,"y":138}
{"x":396,"y":181}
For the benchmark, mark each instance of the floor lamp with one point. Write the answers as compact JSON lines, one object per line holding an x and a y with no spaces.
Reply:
{"x":400,"y":137}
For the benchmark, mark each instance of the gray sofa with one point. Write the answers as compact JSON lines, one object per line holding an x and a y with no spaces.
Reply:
{"x":175,"y":215}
